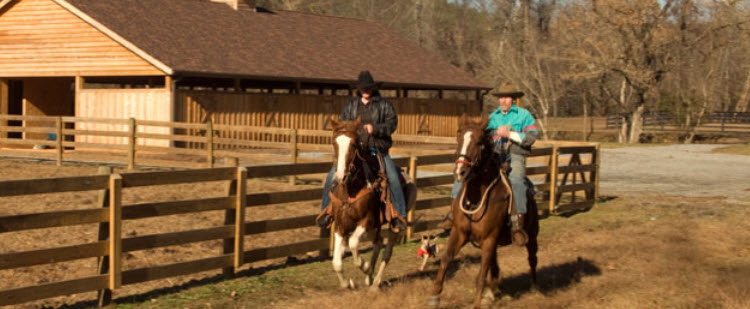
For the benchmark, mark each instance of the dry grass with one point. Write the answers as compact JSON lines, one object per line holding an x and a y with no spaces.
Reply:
{"x":739,"y":149}
{"x":651,"y":252}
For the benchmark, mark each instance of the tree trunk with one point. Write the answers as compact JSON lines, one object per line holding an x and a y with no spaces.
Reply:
{"x":693,"y":129}
{"x":585,"y":118}
{"x":621,"y":137}
{"x":744,"y":96}
{"x":543,"y":125}
{"x":636,"y":123}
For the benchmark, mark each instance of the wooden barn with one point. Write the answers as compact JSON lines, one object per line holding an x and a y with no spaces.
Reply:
{"x":225,"y":61}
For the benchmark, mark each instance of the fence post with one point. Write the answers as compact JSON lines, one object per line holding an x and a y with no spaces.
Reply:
{"x":293,"y":152}
{"x":723,"y":120}
{"x":239,"y":230}
{"x":210,"y":143}
{"x":553,"y":180}
{"x":59,"y":139}
{"x":115,"y":231}
{"x":230,"y":217}
{"x":596,"y":171}
{"x":410,"y":213}
{"x":105,"y":295}
{"x":131,"y":143}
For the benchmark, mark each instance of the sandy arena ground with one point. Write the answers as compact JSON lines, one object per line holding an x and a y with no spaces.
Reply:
{"x":640,"y":173}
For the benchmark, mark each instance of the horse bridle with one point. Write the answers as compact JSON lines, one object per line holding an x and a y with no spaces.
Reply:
{"x":462,"y":158}
{"x":357,"y":155}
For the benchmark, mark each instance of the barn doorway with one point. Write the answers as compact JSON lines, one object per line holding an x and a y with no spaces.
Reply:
{"x":15,"y":105}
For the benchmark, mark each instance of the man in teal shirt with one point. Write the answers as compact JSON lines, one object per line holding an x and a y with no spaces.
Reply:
{"x":515,"y":125}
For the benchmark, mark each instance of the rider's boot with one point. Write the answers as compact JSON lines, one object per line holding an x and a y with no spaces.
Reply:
{"x":325,"y":218}
{"x":519,"y":235}
{"x":398,"y":224}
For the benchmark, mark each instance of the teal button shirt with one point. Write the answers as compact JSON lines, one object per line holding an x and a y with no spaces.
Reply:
{"x":520,"y":119}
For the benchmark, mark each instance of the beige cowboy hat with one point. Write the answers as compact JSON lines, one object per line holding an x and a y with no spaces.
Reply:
{"x":507,"y":89}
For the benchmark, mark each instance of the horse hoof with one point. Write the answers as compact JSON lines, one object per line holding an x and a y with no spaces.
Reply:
{"x":535,"y":288}
{"x":433,"y":301}
{"x":488,"y":296}
{"x":351,"y":284}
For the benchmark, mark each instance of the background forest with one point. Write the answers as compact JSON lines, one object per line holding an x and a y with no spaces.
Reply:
{"x":687,"y":58}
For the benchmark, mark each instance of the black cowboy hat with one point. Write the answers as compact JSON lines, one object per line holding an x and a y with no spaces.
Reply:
{"x":507,"y":89}
{"x":365,"y":81}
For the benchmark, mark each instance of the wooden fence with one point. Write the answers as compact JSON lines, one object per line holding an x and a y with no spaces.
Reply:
{"x":723,"y":122}
{"x":207,"y":140}
{"x":237,"y":226}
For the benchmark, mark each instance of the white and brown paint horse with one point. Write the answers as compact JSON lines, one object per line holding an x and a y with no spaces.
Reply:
{"x":480,"y":213}
{"x":357,"y":207}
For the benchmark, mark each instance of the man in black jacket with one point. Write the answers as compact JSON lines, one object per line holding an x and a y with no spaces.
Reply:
{"x":378,"y":122}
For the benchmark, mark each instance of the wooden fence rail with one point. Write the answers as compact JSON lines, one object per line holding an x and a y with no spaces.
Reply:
{"x":238,"y":224}
{"x":203,"y":139}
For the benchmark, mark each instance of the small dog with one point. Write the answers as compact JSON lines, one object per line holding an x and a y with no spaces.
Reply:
{"x":429,"y":248}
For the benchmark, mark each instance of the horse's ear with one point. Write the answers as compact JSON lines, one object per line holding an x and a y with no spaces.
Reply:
{"x":334,"y":123}
{"x":358,"y":121}
{"x":462,"y":120}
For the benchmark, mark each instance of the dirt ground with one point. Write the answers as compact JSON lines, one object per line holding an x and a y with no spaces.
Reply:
{"x":673,"y":235}
{"x":685,"y":170}
{"x":72,"y":235}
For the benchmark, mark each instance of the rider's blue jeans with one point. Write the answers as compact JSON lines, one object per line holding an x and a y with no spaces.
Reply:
{"x":516,"y":178}
{"x":391,"y":172}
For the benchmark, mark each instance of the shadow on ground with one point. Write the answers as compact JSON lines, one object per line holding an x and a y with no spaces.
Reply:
{"x":549,"y":278}
{"x":139,"y":298}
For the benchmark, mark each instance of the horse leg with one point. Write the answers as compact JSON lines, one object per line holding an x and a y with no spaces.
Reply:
{"x":354,"y":247}
{"x":456,"y":240}
{"x":494,"y":279}
{"x":377,"y":245}
{"x":338,"y":254}
{"x":489,"y":248}
{"x":532,"y":247}
{"x":386,"y":258}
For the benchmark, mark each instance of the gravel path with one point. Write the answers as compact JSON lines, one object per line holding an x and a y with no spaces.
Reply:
{"x":688,"y":170}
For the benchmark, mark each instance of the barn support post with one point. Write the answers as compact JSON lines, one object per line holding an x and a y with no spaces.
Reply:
{"x":115,"y":231}
{"x":210,"y":144}
{"x":59,"y":139}
{"x":131,"y":143}
{"x":293,"y":153}
{"x":410,"y":214}
{"x":3,"y":106}
{"x":239,"y":228}
{"x":230,"y":217}
{"x":104,"y":296}
{"x":553,"y":180}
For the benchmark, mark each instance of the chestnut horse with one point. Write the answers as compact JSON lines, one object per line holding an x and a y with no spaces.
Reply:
{"x":480,"y":212}
{"x":357,"y":205}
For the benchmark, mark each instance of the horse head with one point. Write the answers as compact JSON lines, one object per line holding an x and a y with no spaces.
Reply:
{"x":345,"y":145}
{"x":471,"y":144}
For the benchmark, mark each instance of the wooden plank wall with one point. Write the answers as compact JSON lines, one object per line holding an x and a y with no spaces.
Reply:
{"x":150,"y":104}
{"x":416,"y":116}
{"x":40,"y":38}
